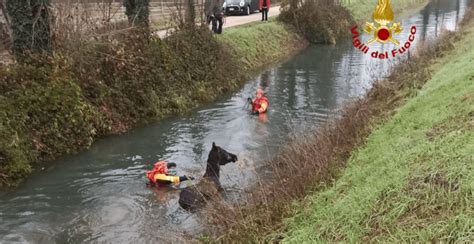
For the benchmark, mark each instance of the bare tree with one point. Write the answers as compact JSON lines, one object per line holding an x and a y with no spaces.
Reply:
{"x":190,"y":12}
{"x":30,"y":24}
{"x":5,"y":32}
{"x":21,"y":24}
{"x":3,"y":11}
{"x":41,"y":25}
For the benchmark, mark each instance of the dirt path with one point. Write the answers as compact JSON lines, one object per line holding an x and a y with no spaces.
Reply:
{"x":231,"y":21}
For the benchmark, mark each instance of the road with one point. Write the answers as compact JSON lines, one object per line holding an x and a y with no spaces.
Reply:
{"x":231,"y":21}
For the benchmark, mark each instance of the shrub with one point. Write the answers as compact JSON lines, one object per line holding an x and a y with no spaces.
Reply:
{"x":319,"y":21}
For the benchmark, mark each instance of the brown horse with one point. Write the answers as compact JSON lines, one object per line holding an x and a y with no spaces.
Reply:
{"x":196,"y":196}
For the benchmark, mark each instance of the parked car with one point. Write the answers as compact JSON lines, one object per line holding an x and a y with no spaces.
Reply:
{"x":241,"y":6}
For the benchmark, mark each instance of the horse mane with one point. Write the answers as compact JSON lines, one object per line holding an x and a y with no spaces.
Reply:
{"x":212,"y":166}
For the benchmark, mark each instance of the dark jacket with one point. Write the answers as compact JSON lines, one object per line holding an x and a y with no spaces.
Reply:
{"x":213,"y":7}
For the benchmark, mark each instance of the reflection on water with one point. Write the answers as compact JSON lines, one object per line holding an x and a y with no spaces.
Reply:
{"x":100,"y":195}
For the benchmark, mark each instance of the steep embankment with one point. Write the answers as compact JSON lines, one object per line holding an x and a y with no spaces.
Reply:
{"x":258,"y":44}
{"x":413,"y":180}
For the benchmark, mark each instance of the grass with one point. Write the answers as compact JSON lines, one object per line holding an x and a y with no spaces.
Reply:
{"x":256,"y":43}
{"x":362,"y":9}
{"x":413,"y":181}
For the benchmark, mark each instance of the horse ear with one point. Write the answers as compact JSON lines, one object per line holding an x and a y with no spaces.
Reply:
{"x":213,"y":145}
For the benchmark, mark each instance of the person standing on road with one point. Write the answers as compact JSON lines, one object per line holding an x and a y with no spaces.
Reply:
{"x":214,"y":14}
{"x":264,"y":7}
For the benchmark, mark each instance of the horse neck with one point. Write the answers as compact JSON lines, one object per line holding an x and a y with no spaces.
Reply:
{"x":212,"y":170}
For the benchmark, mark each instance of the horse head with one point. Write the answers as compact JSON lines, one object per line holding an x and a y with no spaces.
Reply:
{"x":217,"y":157}
{"x":191,"y":198}
{"x":220,"y":156}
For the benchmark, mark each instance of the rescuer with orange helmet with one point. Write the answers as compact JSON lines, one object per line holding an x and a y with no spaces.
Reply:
{"x":164,"y":173}
{"x":260,"y":103}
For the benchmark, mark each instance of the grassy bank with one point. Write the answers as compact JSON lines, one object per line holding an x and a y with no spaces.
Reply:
{"x":408,"y":181}
{"x":258,"y":43}
{"x":413,"y":180}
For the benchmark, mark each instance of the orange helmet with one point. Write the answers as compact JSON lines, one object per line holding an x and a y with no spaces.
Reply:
{"x":161,"y":167}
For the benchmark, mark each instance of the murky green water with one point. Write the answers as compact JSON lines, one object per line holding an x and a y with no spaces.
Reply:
{"x":100,"y":195}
